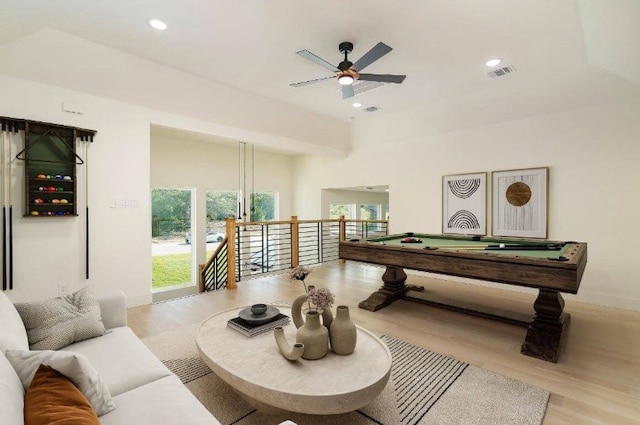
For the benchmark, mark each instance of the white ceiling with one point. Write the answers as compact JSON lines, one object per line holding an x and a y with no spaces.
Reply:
{"x":567,"y":53}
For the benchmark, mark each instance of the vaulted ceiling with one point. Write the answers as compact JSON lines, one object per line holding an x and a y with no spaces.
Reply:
{"x":565,"y":53}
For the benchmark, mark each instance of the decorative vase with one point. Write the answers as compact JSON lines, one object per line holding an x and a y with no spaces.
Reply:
{"x":297,"y":311}
{"x":327,"y":317}
{"x":343,"y":333}
{"x":289,"y":352}
{"x":314,"y":336}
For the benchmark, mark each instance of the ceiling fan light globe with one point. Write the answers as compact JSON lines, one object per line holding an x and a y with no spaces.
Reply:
{"x":345,"y":80}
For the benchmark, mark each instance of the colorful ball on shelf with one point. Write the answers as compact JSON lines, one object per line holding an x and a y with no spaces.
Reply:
{"x":58,"y":176}
{"x":35,"y":213}
{"x":64,"y":201}
{"x":55,"y":201}
{"x":41,"y":176}
{"x":38,"y":201}
{"x":60,"y":189}
{"x":42,"y":188}
{"x":51,"y":189}
{"x":66,"y":178}
{"x":59,"y":213}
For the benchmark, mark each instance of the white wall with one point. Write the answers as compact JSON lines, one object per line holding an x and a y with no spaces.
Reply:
{"x":592,"y":155}
{"x":207,"y":166}
{"x":51,"y":251}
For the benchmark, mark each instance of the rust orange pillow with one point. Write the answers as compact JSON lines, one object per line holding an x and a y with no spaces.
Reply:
{"x":52,"y":399}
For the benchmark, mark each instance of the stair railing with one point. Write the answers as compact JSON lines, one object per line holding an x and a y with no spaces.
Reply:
{"x":252,"y":248}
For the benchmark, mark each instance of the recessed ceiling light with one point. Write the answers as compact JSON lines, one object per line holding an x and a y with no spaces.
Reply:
{"x":493,"y":62}
{"x":357,"y":104}
{"x":158,"y":24}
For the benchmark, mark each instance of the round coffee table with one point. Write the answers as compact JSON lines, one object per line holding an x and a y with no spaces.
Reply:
{"x":255,"y":368}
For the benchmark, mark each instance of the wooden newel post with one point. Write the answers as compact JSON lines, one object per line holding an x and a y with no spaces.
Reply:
{"x":295,"y":247}
{"x":342,"y":227}
{"x":231,"y":252}
{"x":200,"y":278}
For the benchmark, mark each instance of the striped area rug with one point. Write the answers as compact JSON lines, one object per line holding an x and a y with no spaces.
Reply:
{"x":421,"y":377}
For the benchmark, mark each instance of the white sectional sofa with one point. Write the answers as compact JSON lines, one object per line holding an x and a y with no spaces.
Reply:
{"x":143,"y":390}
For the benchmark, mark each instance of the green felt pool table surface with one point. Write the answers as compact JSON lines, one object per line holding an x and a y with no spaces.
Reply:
{"x":451,"y":242}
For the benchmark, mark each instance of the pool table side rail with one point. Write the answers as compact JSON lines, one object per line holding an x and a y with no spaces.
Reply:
{"x":542,"y":273}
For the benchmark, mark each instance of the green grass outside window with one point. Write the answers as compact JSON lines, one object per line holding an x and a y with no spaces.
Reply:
{"x":170,"y":270}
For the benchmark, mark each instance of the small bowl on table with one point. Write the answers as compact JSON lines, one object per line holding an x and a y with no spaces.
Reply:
{"x":258,"y":309}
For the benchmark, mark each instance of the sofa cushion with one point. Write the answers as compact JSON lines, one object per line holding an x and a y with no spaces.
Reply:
{"x":163,"y":402}
{"x":74,"y":366}
{"x":11,"y":394}
{"x":13,"y":335}
{"x":52,"y":399}
{"x":113,"y":309}
{"x":55,"y":323}
{"x":121,"y":359}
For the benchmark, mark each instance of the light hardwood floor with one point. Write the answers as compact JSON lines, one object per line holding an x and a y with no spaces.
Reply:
{"x":596,"y":381}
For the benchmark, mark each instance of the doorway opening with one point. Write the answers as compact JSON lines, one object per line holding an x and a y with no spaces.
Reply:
{"x":171,"y":251}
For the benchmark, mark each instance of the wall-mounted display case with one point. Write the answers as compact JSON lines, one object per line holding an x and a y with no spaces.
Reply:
{"x":50,"y":171}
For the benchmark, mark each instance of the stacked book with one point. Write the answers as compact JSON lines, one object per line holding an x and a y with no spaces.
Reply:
{"x":250,"y":329}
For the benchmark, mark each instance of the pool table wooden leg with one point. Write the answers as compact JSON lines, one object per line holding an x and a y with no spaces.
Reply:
{"x":545,"y":332}
{"x":393,"y":289}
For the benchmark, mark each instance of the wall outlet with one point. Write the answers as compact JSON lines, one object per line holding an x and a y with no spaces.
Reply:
{"x":62,"y":289}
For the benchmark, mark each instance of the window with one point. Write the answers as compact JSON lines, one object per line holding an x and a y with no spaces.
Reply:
{"x":346,"y":210}
{"x":264,"y":206}
{"x":369,"y":212}
{"x":220,"y":205}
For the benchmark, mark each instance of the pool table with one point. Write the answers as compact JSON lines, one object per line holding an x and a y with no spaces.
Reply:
{"x":551,"y":267}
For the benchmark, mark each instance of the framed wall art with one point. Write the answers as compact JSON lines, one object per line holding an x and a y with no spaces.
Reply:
{"x":520,"y":202}
{"x":464,"y":204}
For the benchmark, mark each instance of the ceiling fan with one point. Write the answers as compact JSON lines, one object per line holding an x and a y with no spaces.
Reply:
{"x":347,"y":72}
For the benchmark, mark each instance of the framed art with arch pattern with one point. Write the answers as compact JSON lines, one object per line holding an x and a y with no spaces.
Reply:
{"x":464,"y":204}
{"x":520,"y":202}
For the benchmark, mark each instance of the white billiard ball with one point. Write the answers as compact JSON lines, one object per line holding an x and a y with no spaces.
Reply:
{"x":501,"y":245}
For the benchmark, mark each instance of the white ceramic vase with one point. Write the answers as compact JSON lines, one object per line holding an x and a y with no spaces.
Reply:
{"x":343,"y":334}
{"x":314,"y":336}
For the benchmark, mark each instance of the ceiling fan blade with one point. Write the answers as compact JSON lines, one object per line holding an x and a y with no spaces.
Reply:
{"x":378,"y":51}
{"x":347,"y":91}
{"x":383,"y":78}
{"x":363,"y":86}
{"x":309,"y":82}
{"x":315,"y":59}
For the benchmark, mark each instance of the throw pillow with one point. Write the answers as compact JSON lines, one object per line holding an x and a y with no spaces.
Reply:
{"x":52,"y":399}
{"x":58,"y":322}
{"x":74,"y":366}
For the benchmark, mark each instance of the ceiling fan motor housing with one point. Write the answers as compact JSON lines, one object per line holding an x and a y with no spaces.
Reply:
{"x":346,"y":48}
